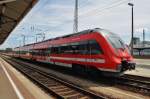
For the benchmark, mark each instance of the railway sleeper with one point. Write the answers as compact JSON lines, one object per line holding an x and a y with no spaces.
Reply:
{"x":69,"y":93}
{"x":65,"y":92}
{"x":73,"y":96}
{"x":64,"y":89}
{"x":58,"y":87}
{"x":50,"y":84}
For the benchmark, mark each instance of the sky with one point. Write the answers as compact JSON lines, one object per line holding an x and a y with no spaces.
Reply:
{"x":54,"y":18}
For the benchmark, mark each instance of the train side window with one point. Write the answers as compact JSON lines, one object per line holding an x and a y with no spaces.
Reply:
{"x":58,"y":50}
{"x":94,"y":47}
{"x":52,"y":50}
{"x":83,"y":47}
{"x":43,"y":52}
{"x":55,"y":50}
{"x":48,"y":51}
{"x":63,"y":49}
{"x":75,"y":48}
{"x":35,"y":52}
{"x":68,"y":49}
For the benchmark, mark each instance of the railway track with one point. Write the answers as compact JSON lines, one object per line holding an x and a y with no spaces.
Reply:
{"x":57,"y":87}
{"x":138,"y":82}
{"x":131,"y":82}
{"x":138,"y":78}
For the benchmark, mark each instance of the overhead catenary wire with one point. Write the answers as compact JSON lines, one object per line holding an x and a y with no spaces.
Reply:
{"x":92,"y":12}
{"x":87,"y":2}
{"x":63,"y":23}
{"x":115,"y":4}
{"x":100,"y":10}
{"x":112,"y":5}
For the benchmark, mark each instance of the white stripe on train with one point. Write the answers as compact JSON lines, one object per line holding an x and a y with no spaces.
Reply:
{"x":79,"y":59}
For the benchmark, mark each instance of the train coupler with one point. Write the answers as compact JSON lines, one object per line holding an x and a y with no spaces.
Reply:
{"x":128,"y":65}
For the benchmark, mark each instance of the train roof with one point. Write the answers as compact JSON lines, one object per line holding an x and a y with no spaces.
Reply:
{"x":70,"y":35}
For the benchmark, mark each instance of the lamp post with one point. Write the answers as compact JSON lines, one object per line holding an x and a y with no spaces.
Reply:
{"x":132,"y":27}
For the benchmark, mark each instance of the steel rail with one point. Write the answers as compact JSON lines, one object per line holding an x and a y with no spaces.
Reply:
{"x":134,"y":82}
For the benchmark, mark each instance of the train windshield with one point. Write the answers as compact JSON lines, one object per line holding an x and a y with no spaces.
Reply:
{"x":113,"y":39}
{"x":116,"y":42}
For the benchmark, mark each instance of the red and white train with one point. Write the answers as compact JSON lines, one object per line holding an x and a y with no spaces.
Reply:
{"x":94,"y":49}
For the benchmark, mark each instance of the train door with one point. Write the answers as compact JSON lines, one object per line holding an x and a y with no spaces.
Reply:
{"x":94,"y":56}
{"x":82,"y":51}
{"x":95,"y":50}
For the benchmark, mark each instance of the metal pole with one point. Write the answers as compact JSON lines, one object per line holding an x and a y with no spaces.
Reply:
{"x":143,"y":37}
{"x":43,"y":36}
{"x":132,"y":24}
{"x":132,"y":31}
{"x":75,"y":26}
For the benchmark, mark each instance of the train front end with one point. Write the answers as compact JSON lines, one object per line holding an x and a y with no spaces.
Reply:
{"x":119,"y":53}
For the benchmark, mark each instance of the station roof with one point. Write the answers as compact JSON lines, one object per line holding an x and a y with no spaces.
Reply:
{"x":11,"y":13}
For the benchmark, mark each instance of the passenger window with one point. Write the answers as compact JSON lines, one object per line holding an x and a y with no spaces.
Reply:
{"x":83,"y":47}
{"x":68,"y":49}
{"x":55,"y":50}
{"x":48,"y":51}
{"x":63,"y":49}
{"x":94,"y":47}
{"x":75,"y":48}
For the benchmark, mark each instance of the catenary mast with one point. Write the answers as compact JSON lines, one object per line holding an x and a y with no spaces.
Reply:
{"x":75,"y":25}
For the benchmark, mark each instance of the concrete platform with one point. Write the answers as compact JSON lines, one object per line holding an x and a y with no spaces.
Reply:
{"x":143,"y":63}
{"x":6,"y":89}
{"x":142,"y":68}
{"x":13,"y":85}
{"x":140,"y":72}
